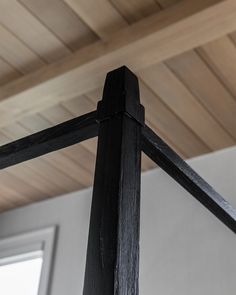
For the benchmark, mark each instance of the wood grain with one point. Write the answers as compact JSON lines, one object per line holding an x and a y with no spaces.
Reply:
{"x":220,"y":55}
{"x":134,"y":10}
{"x":183,"y":104}
{"x":170,"y":127}
{"x":17,"y":54}
{"x":47,"y":164}
{"x":167,"y":3}
{"x":62,"y":21}
{"x":202,"y":82}
{"x":103,"y":26}
{"x":158,"y":37}
{"x":79,"y":154}
{"x":7,"y":72}
{"x":16,"y":18}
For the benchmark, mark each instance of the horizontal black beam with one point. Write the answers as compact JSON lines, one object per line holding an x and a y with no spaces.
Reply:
{"x":154,"y":147}
{"x":49,"y":140}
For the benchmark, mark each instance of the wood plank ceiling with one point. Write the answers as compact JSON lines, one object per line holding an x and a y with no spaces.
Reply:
{"x":190,"y":98}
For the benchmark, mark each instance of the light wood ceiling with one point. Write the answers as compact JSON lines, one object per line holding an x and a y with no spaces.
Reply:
{"x":54,"y":55}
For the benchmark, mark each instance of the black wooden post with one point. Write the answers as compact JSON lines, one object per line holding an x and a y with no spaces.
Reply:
{"x":113,"y":247}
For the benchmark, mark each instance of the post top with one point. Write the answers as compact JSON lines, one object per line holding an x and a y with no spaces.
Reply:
{"x":121,"y":94}
{"x":119,"y":82}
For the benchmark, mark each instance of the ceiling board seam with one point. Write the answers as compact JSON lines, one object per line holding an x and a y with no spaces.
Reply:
{"x":213,"y":69}
{"x":175,"y":2}
{"x":44,"y":159}
{"x":102,"y":34}
{"x":232,"y":39}
{"x":39,"y":172}
{"x":180,"y":119}
{"x":8,"y":174}
{"x":132,"y":20}
{"x":6,"y":187}
{"x":214,"y":72}
{"x":50,"y":188}
{"x":90,"y":99}
{"x":10,"y":198}
{"x":59,"y":151}
{"x":65,"y":154}
{"x":128,"y":22}
{"x":200,"y":102}
{"x":45,"y":25}
{"x":11,"y":66}
{"x":65,"y":108}
{"x":26,"y":184}
{"x":24,"y":44}
{"x":76,"y":14}
{"x":160,"y":6}
{"x":34,"y":187}
{"x":10,"y":138}
{"x":166,"y":138}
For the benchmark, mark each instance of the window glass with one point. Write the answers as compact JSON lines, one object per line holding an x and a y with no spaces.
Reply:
{"x":20,"y":276}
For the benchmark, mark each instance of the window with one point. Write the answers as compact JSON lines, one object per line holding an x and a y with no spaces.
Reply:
{"x":21,"y":274}
{"x":25,"y":262}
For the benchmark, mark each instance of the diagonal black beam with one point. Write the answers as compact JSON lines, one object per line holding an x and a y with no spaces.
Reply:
{"x":49,"y":140}
{"x":154,"y":147}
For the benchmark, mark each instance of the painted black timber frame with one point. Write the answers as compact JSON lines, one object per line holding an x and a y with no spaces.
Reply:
{"x":112,"y":265}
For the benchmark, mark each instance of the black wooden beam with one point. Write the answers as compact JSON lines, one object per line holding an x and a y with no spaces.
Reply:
{"x":154,"y":147}
{"x":49,"y":140}
{"x":113,"y":247}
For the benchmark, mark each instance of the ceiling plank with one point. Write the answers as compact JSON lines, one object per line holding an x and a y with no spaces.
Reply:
{"x":104,"y":26}
{"x":18,"y":194}
{"x":173,"y":130}
{"x":62,"y":158}
{"x":206,"y":87}
{"x":8,"y":198}
{"x":17,"y":54}
{"x":7,"y":72}
{"x":180,"y":100}
{"x":28,"y":193}
{"x":170,"y":32}
{"x":61,"y":19}
{"x":79,"y":106}
{"x":20,"y":184}
{"x":167,"y":3}
{"x":39,"y":183}
{"x":220,"y":55}
{"x":46,"y":164}
{"x":17,"y":19}
{"x":79,"y":153}
{"x":134,"y":10}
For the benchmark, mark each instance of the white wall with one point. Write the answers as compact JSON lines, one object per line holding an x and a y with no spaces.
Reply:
{"x":184,"y":248}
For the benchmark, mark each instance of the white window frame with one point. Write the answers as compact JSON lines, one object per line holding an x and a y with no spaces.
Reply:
{"x":28,"y":245}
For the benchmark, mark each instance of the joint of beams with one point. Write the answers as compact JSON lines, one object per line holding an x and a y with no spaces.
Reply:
{"x":121,"y":97}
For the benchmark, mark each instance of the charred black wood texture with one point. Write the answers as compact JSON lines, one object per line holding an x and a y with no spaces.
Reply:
{"x":178,"y":169}
{"x":49,"y":140}
{"x":113,"y":247}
